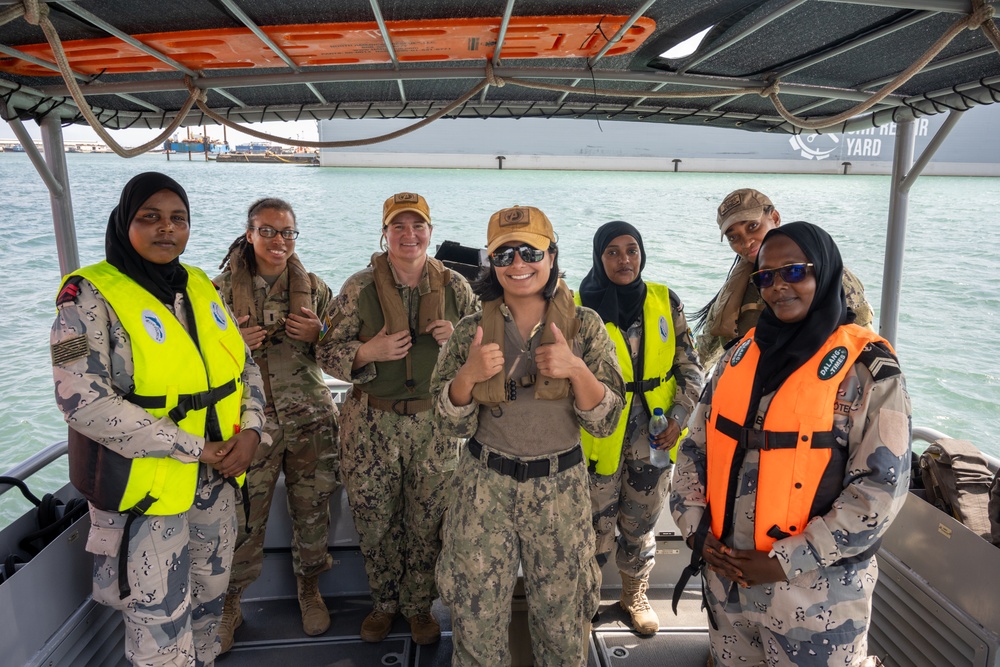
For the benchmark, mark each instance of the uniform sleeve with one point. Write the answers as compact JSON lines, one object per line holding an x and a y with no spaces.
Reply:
{"x":335,"y":353}
{"x":876,"y":480}
{"x":456,"y":421}
{"x":254,"y":399}
{"x":324,"y":304}
{"x":468,"y":302}
{"x":92,"y":368}
{"x":602,"y":360}
{"x":687,"y":368}
{"x":854,"y":291}
{"x":687,"y":489}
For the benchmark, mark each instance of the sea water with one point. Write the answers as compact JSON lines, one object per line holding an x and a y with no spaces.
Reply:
{"x":949,"y":311}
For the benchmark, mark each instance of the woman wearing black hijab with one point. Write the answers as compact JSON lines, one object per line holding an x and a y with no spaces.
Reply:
{"x":625,"y":489}
{"x":797,"y":462}
{"x":165,"y":407}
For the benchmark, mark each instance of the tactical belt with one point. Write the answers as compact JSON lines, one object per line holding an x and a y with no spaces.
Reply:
{"x":764,"y":440}
{"x":524,"y":470}
{"x":185,"y":402}
{"x":402,"y":406}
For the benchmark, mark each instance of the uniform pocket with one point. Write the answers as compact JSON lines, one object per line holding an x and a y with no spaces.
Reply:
{"x":106,"y":532}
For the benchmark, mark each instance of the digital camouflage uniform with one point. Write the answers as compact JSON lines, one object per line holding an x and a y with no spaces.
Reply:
{"x":302,"y":423}
{"x":178,"y":564}
{"x":710,"y":347}
{"x":821,"y":615}
{"x":543,"y":524}
{"x":633,"y":496}
{"x":396,"y":468}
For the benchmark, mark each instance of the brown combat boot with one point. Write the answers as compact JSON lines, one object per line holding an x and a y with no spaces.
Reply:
{"x":424,"y":628}
{"x":634,"y":601}
{"x":232,"y":618}
{"x":376,"y":626}
{"x":315,"y":615}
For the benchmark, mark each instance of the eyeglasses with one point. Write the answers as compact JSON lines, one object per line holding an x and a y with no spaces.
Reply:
{"x":270,"y":233}
{"x":505,"y":256}
{"x":790,"y":273}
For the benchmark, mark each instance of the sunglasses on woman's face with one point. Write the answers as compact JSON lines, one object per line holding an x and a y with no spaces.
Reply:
{"x":505,"y":256}
{"x":790,"y":273}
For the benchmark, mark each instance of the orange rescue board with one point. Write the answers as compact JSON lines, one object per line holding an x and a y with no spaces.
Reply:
{"x":346,"y":44}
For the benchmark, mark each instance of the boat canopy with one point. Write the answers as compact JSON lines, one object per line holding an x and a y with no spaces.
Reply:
{"x":787,"y":66}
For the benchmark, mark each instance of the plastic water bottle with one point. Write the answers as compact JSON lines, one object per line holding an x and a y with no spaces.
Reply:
{"x":658,"y":423}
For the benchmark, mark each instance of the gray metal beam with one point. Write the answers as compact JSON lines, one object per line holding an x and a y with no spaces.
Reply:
{"x":895,"y":239}
{"x":947,"y":62}
{"x":935,"y":143}
{"x":501,"y":36}
{"x":62,"y":204}
{"x":949,"y":6}
{"x":31,"y":149}
{"x":388,"y":44}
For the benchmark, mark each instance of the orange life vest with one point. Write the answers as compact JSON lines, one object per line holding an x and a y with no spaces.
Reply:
{"x":801,"y":464}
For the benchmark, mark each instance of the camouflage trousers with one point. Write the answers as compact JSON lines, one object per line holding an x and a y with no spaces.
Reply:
{"x":631,"y":498}
{"x":818,"y":619}
{"x":496,"y":524}
{"x":178,"y":569}
{"x":309,"y":458}
{"x":397,"y":470}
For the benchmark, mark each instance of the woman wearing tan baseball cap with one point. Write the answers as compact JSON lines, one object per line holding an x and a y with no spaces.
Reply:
{"x":520,"y":379}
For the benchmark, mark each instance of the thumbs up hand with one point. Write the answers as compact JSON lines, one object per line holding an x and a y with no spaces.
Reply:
{"x":557,"y":359}
{"x":484,"y":361}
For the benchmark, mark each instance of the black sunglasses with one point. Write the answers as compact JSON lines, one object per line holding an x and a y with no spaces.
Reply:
{"x":505,"y":256}
{"x":790,"y":273}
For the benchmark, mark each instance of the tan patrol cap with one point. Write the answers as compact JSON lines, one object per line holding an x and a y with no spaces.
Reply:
{"x":402,"y":202}
{"x":519,"y":223}
{"x":740,"y":205}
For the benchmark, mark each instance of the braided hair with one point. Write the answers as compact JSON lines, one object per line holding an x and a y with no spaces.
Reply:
{"x":240,"y":247}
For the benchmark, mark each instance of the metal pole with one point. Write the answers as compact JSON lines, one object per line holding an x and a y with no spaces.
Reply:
{"x":62,"y":206}
{"x":892,"y":273}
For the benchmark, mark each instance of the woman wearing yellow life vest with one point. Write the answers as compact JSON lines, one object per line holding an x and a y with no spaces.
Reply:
{"x":165,"y":408}
{"x":797,"y":462}
{"x":646,"y":322}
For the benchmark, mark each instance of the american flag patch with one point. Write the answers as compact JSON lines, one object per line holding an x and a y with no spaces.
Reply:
{"x":70,"y":350}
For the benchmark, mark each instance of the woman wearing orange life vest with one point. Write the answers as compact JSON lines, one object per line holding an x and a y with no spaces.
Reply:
{"x":797,"y":462}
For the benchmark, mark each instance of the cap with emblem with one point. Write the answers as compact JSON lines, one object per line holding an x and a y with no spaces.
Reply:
{"x":745,"y":204}
{"x":519,"y":223}
{"x":402,"y":202}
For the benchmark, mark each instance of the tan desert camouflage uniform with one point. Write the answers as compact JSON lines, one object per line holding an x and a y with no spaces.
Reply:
{"x":179,"y":564}
{"x":302,"y":422}
{"x":633,"y":496}
{"x":396,"y":468}
{"x":820,"y":616}
{"x":544,"y":524}
{"x":710,"y":348}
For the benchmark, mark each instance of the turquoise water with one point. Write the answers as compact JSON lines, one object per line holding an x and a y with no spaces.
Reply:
{"x":950,"y":310}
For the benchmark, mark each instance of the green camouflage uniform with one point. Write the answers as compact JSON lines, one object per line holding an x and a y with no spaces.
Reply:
{"x":302,"y":423}
{"x":543,"y":524}
{"x":178,"y":565}
{"x":710,"y":347}
{"x":396,"y":468}
{"x":820,"y":616}
{"x":633,"y":496}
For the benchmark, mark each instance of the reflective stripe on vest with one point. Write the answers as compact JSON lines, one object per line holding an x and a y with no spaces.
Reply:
{"x":796,"y":443}
{"x":168,"y":365}
{"x":659,"y":342}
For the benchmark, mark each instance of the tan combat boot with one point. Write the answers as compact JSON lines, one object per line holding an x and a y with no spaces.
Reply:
{"x":315,"y":615}
{"x":634,"y":601}
{"x":376,"y":626}
{"x":424,"y":628}
{"x":232,"y":618}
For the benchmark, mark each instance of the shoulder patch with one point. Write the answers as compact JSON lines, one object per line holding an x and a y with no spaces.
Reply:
{"x":880,"y":361}
{"x":70,"y":291}
{"x":675,"y":301}
{"x":70,"y":350}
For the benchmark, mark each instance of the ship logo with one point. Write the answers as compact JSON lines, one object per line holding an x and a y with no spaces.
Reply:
{"x":815,"y":146}
{"x":153,"y":326}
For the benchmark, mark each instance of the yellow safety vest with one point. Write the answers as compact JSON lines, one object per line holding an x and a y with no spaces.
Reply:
{"x":172,"y":377}
{"x":659,"y":384}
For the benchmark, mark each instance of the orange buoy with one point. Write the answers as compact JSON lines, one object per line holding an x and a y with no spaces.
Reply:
{"x":425,"y":40}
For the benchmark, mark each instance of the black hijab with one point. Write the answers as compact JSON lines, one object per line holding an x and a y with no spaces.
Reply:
{"x":618,"y":304}
{"x":161,"y":280}
{"x":785,"y":347}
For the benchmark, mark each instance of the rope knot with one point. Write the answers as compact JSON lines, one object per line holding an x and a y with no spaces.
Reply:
{"x":773,"y":89}
{"x":492,"y":78}
{"x":199,"y":94}
{"x":35,"y":11}
{"x":983,"y":13}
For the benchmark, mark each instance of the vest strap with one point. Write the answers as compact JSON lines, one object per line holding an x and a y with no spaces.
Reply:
{"x":751,"y":438}
{"x":642,"y":386}
{"x":520,"y":470}
{"x":402,"y":406}
{"x":185,"y":402}
{"x":137,"y":510}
